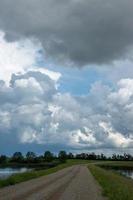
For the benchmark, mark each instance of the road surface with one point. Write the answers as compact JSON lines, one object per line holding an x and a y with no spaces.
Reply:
{"x":73,"y":183}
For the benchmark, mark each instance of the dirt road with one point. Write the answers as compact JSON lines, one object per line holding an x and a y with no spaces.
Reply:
{"x":73,"y":183}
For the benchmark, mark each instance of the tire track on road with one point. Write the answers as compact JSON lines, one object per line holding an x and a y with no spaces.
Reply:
{"x":13,"y":194}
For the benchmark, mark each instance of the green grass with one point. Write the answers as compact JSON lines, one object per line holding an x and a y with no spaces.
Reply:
{"x":115,"y":186}
{"x":17,"y":178}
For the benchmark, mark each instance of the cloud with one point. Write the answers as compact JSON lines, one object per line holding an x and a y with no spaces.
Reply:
{"x":21,"y":56}
{"x":53,"y":75}
{"x":115,"y":138}
{"x":16,"y":56}
{"x":73,"y":32}
{"x":36,"y":113}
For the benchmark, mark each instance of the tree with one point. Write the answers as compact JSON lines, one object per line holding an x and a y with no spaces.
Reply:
{"x":3,"y":159}
{"x":62,"y":156}
{"x":30,"y":156}
{"x":70,"y":156}
{"x":91,"y":156}
{"x":17,"y":157}
{"x":103,"y":157}
{"x":114,"y":157}
{"x":48,"y":156}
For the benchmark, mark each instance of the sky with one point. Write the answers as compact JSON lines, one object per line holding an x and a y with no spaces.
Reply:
{"x":66,"y":76}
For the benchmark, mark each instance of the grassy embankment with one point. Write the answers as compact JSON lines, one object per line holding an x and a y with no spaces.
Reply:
{"x":115,"y":186}
{"x":17,"y":178}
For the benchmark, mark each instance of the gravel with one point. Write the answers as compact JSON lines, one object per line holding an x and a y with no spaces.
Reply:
{"x":73,"y":183}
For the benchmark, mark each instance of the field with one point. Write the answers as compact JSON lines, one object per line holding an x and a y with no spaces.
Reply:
{"x":115,"y":186}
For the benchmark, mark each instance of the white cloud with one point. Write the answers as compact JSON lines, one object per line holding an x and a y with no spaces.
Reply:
{"x":39,"y":114}
{"x":17,"y":56}
{"x":115,"y":138}
{"x":21,"y":56}
{"x":67,"y":120}
{"x":51,"y":74}
{"x":34,"y":111}
{"x":30,"y":85}
{"x":83,"y":138}
{"x":29,"y":135}
{"x":124,"y":93}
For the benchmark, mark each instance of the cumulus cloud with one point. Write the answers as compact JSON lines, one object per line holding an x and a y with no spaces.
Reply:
{"x":21,"y":56}
{"x":115,"y":138}
{"x":17,"y":56}
{"x":73,"y":32}
{"x":34,"y":112}
{"x":37,"y":113}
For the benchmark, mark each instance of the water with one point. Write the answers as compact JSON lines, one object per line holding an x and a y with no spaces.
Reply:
{"x":128,"y":172}
{"x":125,"y":172}
{"x":6,"y":172}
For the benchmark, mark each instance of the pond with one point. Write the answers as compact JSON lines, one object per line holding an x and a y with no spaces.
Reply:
{"x":126,"y":172}
{"x":8,"y":171}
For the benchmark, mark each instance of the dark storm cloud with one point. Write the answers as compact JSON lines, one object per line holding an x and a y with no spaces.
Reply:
{"x":73,"y":31}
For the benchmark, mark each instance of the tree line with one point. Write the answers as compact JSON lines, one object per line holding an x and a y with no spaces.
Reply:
{"x":31,"y":157}
{"x":62,"y":156}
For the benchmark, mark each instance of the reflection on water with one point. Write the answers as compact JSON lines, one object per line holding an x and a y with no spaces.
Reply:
{"x":6,"y":172}
{"x":128,"y":173}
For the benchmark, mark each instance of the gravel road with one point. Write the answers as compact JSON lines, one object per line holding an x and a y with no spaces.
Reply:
{"x":73,"y":183}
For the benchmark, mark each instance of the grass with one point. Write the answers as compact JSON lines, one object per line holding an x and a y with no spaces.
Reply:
{"x":17,"y":178}
{"x":115,"y":186}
